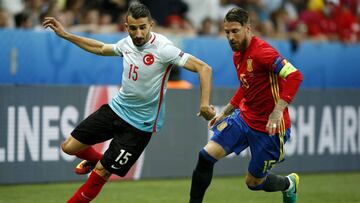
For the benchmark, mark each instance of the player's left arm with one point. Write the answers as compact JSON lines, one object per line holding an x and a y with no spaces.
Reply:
{"x":205,"y":75}
{"x":291,"y":75}
{"x":173,"y":55}
{"x":293,"y":79}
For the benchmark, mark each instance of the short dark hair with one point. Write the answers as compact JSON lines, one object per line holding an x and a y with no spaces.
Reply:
{"x":237,"y":14}
{"x":138,"y":10}
{"x":22,"y":17}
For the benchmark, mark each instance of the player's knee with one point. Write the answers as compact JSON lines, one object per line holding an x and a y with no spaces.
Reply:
{"x":215,"y":150}
{"x":71,"y":146}
{"x":99,"y":169}
{"x":66,"y":149}
{"x":254,"y":184}
{"x":254,"y":187}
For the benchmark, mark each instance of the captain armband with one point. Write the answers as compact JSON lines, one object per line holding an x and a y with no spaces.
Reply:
{"x":287,"y":70}
{"x":283,"y":67}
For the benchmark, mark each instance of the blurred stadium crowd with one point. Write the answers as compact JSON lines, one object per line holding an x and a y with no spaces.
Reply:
{"x":324,"y":20}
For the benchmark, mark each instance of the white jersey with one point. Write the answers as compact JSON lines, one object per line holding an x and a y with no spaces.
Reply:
{"x":141,"y":99}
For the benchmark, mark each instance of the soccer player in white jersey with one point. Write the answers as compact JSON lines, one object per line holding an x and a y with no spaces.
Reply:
{"x":137,"y":111}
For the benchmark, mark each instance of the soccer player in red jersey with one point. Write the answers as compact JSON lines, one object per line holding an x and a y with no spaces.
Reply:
{"x":256,"y":116}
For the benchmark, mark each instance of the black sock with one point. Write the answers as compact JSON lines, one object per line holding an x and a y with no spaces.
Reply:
{"x":275,"y":183}
{"x":201,"y":178}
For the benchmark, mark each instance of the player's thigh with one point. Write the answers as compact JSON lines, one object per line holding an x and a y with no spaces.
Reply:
{"x":231,"y":134}
{"x":124,"y":149}
{"x":97,"y":127}
{"x":266,"y":152}
{"x":100,"y":170}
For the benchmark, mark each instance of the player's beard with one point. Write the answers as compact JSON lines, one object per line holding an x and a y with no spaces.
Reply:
{"x":140,"y":41}
{"x":239,"y":46}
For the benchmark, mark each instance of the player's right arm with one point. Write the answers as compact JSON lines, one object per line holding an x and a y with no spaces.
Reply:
{"x":229,"y":108}
{"x":90,"y":45}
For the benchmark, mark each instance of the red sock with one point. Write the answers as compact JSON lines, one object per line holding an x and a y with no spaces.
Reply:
{"x":89,"y":154}
{"x":89,"y":189}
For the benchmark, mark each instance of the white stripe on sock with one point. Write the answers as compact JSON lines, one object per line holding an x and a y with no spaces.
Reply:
{"x":291,"y":184}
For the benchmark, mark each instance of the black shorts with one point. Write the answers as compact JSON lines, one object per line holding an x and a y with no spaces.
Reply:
{"x":127,"y":142}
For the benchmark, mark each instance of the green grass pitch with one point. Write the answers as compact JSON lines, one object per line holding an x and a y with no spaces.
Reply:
{"x":314,"y":188}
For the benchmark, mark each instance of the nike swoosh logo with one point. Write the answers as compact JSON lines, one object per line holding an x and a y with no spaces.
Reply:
{"x":86,"y":197}
{"x":114,"y":167}
{"x":128,"y":52}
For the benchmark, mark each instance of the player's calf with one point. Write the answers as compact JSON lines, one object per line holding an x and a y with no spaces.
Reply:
{"x":271,"y":183}
{"x":89,"y":190}
{"x":201,"y":177}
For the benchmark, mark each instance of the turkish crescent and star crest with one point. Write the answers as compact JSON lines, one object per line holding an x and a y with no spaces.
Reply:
{"x":148,"y":59}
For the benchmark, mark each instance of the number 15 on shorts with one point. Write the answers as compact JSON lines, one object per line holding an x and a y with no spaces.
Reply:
{"x":122,"y":159}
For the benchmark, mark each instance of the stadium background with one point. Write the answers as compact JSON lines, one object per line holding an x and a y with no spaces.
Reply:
{"x":47,"y":85}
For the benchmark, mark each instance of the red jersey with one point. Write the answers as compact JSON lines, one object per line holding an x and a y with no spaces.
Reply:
{"x":261,"y":86}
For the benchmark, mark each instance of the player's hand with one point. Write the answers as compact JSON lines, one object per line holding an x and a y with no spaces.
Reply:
{"x":54,"y":25}
{"x":216,"y":120}
{"x":274,"y":122}
{"x":208,"y":112}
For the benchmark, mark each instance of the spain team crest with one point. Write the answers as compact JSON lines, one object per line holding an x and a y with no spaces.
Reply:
{"x":249,"y":66}
{"x":221,"y":126}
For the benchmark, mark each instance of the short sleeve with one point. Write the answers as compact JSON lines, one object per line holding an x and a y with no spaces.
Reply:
{"x":237,"y":97}
{"x":118,"y":47}
{"x":173,"y":55}
{"x":267,"y":55}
